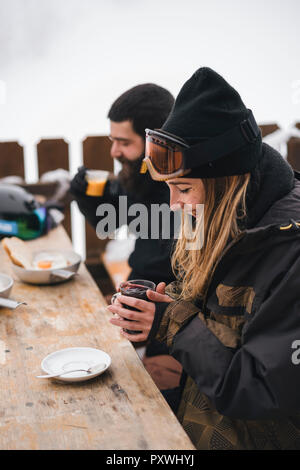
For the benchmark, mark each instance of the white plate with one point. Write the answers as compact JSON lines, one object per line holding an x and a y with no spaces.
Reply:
{"x":71,"y":358}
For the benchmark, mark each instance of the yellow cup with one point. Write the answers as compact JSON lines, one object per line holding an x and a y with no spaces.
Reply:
{"x":96,"y":180}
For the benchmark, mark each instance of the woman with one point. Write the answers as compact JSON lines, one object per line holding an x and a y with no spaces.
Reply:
{"x":232,"y":318}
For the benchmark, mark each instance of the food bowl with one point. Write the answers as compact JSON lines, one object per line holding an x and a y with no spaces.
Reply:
{"x":50,"y":276}
{"x":6,"y":283}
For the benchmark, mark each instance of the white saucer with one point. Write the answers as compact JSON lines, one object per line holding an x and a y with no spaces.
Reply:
{"x":71,"y":358}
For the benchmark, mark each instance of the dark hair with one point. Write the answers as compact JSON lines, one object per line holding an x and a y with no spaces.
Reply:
{"x":146,"y":105}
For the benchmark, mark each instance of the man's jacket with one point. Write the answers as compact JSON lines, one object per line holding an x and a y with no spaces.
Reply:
{"x":241,"y":382}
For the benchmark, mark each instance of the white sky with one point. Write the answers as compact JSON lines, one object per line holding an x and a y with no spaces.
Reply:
{"x":63,"y":62}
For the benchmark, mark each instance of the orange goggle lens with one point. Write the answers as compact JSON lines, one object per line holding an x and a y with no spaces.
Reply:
{"x":166,"y":157}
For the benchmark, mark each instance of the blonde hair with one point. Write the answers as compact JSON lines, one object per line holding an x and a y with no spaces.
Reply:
{"x":225,"y":204}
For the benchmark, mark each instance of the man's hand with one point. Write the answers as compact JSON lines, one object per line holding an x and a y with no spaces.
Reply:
{"x":79,"y":183}
{"x":143,"y":318}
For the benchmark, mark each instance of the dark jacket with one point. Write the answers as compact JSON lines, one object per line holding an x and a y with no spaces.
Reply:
{"x":240,"y":385}
{"x":150,"y":258}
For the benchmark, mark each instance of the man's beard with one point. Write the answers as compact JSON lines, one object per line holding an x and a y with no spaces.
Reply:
{"x":135,"y":183}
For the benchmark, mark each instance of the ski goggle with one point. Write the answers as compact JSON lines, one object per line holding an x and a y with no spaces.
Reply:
{"x":164,"y":157}
{"x":168,"y":156}
{"x":25,"y":226}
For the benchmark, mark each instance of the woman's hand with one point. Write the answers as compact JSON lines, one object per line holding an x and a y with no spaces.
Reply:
{"x":143,"y":318}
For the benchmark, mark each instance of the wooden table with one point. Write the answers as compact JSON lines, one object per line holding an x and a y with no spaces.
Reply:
{"x":121,"y":409}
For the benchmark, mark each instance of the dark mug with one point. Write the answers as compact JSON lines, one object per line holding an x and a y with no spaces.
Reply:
{"x":137,"y":289}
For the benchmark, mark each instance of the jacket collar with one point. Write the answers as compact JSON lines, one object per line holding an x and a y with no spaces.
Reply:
{"x":284,"y":210}
{"x":273,"y":196}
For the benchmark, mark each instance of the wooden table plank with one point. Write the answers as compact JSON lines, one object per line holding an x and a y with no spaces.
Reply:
{"x":121,"y":409}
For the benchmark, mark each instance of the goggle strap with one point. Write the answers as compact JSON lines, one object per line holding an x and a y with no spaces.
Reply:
{"x":217,"y":147}
{"x":167,"y":136}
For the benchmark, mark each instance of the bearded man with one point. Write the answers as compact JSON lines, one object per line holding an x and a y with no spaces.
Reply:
{"x":143,"y":106}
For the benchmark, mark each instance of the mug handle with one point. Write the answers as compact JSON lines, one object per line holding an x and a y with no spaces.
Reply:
{"x":114,"y":297}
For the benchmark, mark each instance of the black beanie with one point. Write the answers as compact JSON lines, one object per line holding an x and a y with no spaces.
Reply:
{"x":222,"y":133}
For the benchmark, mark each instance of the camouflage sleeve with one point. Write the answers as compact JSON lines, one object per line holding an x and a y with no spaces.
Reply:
{"x":176,"y":316}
